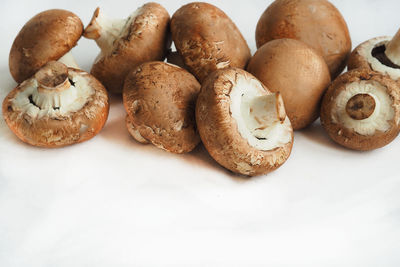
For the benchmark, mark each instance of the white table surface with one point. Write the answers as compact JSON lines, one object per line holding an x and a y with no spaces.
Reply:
{"x":114,"y":202}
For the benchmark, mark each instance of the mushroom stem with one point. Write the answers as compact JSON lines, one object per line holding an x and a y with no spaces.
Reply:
{"x":393,"y":49}
{"x":53,"y":76}
{"x":280,"y":107}
{"x":263,"y":112}
{"x":360,"y":106}
{"x":104,"y":30}
{"x":69,"y":61}
{"x":54,"y":89}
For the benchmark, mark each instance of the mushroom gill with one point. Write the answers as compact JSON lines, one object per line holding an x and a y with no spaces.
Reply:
{"x":260,"y":117}
{"x":365,"y":107}
{"x":53,"y":92}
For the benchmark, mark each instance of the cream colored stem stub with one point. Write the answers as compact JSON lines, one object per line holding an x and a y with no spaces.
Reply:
{"x":393,"y":49}
{"x":53,"y":76}
{"x":360,"y":106}
{"x":104,"y":30}
{"x":262,"y":112}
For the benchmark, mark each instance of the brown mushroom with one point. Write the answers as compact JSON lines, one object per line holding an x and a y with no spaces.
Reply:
{"x":48,"y":36}
{"x":207,"y":39}
{"x":298,"y":72}
{"x":58,"y":106}
{"x":159,"y":99}
{"x":242,"y":124}
{"x":316,"y":22}
{"x":381,"y":54}
{"x":125,"y":43}
{"x":361,"y":110}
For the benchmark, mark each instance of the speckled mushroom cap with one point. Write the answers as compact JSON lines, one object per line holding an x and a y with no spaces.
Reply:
{"x":125,"y":43}
{"x":47,"y":36}
{"x":316,"y":22}
{"x":370,"y":55}
{"x":361,"y":110}
{"x":298,"y":72}
{"x":58,"y":106}
{"x":207,"y":39}
{"x":159,"y":99}
{"x":242,"y":124}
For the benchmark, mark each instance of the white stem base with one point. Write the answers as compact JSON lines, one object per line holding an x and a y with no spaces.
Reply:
{"x":261,"y":118}
{"x":262,"y":112}
{"x":393,"y":49}
{"x":69,"y":61}
{"x":106,"y":31}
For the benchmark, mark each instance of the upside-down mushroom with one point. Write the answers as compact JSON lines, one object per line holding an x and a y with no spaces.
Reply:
{"x":381,"y":54}
{"x":242,"y":124}
{"x":58,"y":106}
{"x":361,"y":110}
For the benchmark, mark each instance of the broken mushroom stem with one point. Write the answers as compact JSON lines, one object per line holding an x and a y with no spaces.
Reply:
{"x":263,"y":112}
{"x":104,"y":30}
{"x":53,"y":76}
{"x":54,"y":88}
{"x":360,"y":106}
{"x":393,"y":49}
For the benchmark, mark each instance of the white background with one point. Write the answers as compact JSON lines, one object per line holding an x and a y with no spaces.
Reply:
{"x":113,"y":202}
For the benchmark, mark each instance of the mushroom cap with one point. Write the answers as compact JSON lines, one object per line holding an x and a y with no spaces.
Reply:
{"x":160,"y":101}
{"x":207,"y":39}
{"x":221,"y":133}
{"x":371,"y":133}
{"x":316,"y":22}
{"x":57,"y":128}
{"x":298,"y":72}
{"x":45,"y":37}
{"x":146,"y":38}
{"x":362,"y":57}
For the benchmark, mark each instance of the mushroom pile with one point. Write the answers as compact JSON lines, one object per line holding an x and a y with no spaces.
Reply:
{"x":361,"y":109}
{"x":243,"y":108}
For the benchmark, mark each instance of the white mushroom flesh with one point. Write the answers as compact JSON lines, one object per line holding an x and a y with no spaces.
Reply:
{"x":259,"y":115}
{"x":53,"y":104}
{"x":69,"y":61}
{"x":366,"y":52}
{"x":379,"y":120}
{"x":110,"y":30}
{"x":393,"y":49}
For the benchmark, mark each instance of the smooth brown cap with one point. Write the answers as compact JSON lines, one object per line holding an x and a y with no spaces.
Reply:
{"x":318,"y":23}
{"x":160,"y":101}
{"x":207,"y":39}
{"x":47,"y":36}
{"x":298,"y":72}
